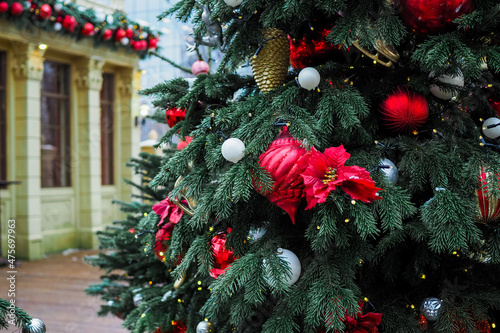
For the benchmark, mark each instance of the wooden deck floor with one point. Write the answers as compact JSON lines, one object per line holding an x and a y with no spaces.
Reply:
{"x":52,"y":289}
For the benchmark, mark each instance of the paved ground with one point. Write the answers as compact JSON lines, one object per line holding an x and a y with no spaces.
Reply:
{"x":52,"y":289}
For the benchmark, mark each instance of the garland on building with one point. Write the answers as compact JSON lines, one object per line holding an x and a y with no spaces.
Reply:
{"x":114,"y":30}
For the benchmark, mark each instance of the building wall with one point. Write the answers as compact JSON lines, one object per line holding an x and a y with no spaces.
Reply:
{"x":54,"y":219}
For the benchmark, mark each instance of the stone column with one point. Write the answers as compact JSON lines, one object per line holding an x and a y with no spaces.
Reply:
{"x":87,"y":152}
{"x":128,"y":132}
{"x":27,"y":69}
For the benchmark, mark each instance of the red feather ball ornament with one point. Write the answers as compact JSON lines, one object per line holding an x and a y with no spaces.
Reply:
{"x":162,"y":236}
{"x":405,"y":111}
{"x":432,"y":17}
{"x":222,"y":257}
{"x":174,"y":115}
{"x":310,"y":48}
{"x":488,"y":204}
{"x":285,"y":159}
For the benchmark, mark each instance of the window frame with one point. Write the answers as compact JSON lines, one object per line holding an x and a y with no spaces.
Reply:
{"x":61,"y":177}
{"x":107,"y":96}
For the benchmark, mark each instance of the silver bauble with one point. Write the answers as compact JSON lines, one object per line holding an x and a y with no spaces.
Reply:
{"x":36,"y":326}
{"x":137,"y":299}
{"x":431,"y":307}
{"x":204,"y":327}
{"x":390,"y":170}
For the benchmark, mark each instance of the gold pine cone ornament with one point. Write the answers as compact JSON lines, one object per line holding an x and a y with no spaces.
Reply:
{"x":270,"y":63}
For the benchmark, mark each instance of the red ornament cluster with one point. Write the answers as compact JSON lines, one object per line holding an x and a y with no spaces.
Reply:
{"x":405,"y":111}
{"x":174,"y":115}
{"x":222,"y":257}
{"x":298,"y":173}
{"x":432,"y":17}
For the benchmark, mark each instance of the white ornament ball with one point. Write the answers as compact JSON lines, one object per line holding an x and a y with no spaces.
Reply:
{"x":233,"y":150}
{"x":57,"y":26}
{"x":58,"y":7}
{"x":233,"y":3}
{"x":309,"y":78}
{"x":125,"y":41}
{"x":27,"y":5}
{"x":494,"y":131}
{"x":430,"y":308}
{"x":293,"y":262}
{"x":143,"y":35}
{"x":100,"y":16}
{"x":110,"y":19}
{"x":390,"y":170}
{"x":204,"y":327}
{"x":457,"y":80}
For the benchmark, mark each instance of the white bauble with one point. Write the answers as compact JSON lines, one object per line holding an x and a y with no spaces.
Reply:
{"x":144,"y":35}
{"x":431,"y":308}
{"x":58,"y":6}
{"x":457,"y":80}
{"x":309,"y":78}
{"x":125,"y":41}
{"x":27,"y":5}
{"x":110,"y":19}
{"x":493,"y":132}
{"x":233,"y":150}
{"x":204,"y":327}
{"x":57,"y":26}
{"x":390,"y":170}
{"x":293,"y":262}
{"x":100,"y":16}
{"x":233,"y":3}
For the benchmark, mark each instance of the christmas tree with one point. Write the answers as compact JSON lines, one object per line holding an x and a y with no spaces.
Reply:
{"x":351,"y":184}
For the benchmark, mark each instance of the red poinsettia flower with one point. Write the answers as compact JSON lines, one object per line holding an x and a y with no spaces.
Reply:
{"x":364,"y":323}
{"x":327,"y":171}
{"x":169,"y":210}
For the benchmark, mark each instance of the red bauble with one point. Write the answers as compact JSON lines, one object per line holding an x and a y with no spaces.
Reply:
{"x":200,"y":67}
{"x":285,"y":160}
{"x":432,"y":17}
{"x":143,"y":45}
{"x":177,"y":327}
{"x":222,"y":257}
{"x":45,"y":11}
{"x":69,"y":23}
{"x":174,"y":115}
{"x":4,"y":6}
{"x":496,"y":106}
{"x":107,"y":34}
{"x":311,"y":49}
{"x":153,"y":43}
{"x":162,"y":236}
{"x":120,"y":34}
{"x":88,"y":29}
{"x":16,"y":9}
{"x":129,"y":33}
{"x":183,"y":144}
{"x":405,"y":111}
{"x":488,"y":205}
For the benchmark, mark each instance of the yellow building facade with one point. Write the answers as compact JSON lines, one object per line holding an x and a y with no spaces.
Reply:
{"x":69,"y":127}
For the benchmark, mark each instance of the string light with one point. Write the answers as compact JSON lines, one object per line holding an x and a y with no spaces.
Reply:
{"x":347,"y":220}
{"x":423,"y":276}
